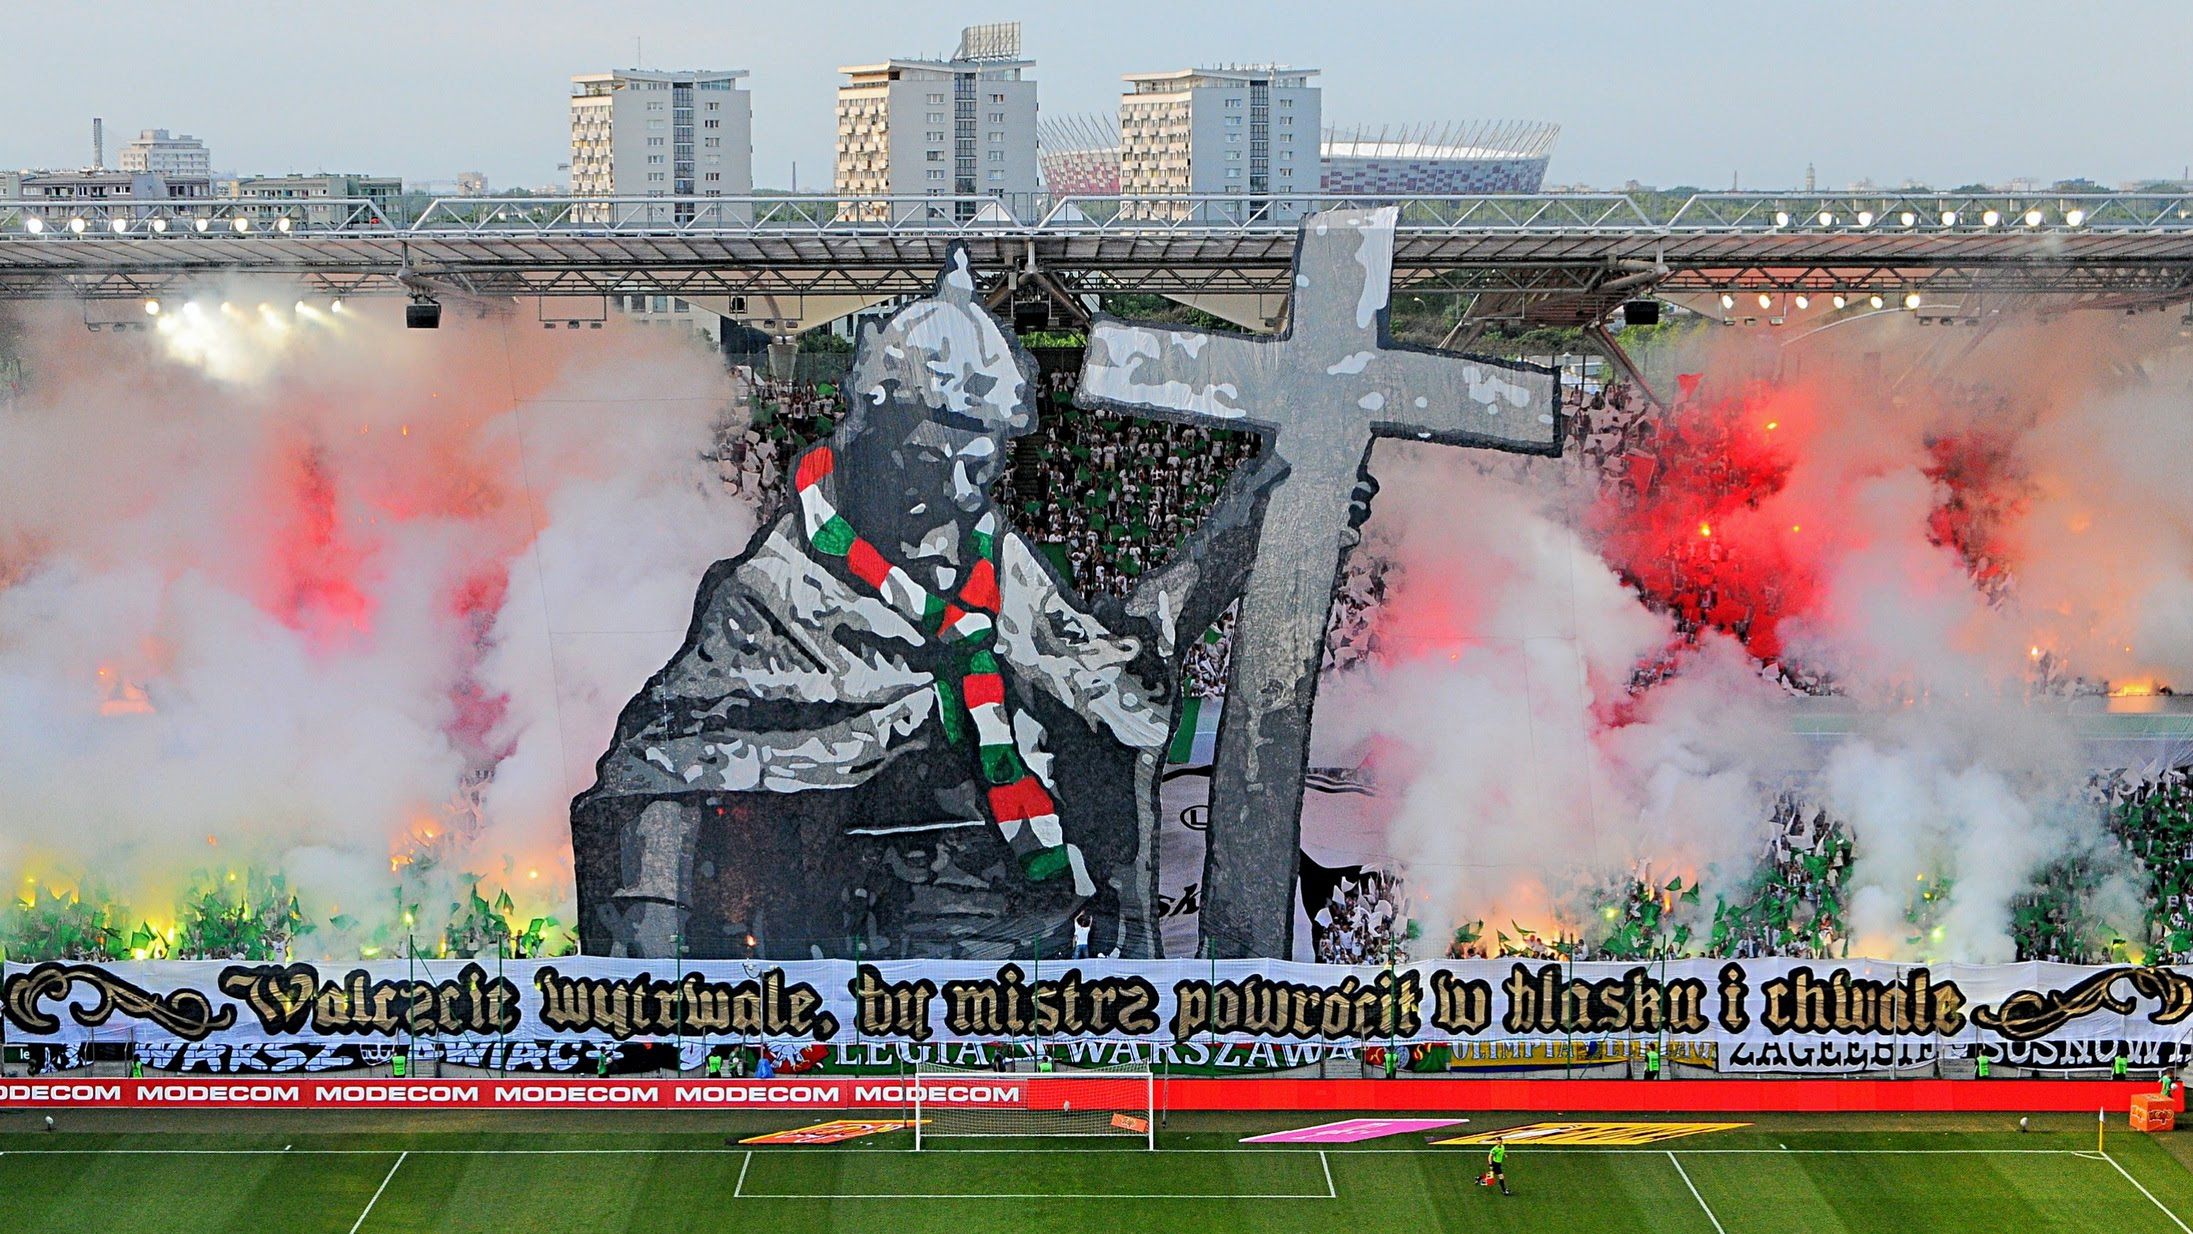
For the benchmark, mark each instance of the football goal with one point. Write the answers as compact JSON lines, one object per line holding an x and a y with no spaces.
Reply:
{"x":998,"y":1104}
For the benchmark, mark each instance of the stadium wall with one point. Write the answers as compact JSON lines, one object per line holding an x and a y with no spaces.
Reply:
{"x":1046,"y":1092}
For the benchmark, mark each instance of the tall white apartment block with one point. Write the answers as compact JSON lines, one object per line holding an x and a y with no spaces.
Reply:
{"x":642,"y":133}
{"x":1250,"y":130}
{"x":157,"y":153}
{"x":963,"y":127}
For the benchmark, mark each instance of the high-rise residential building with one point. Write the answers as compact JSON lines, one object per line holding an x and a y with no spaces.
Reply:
{"x":156,"y":152}
{"x":1249,"y":130}
{"x":641,"y":133}
{"x":963,"y":127}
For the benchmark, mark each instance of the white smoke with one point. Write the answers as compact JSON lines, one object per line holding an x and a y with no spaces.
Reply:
{"x":1504,"y":646}
{"x":1526,"y":777}
{"x":237,"y":554}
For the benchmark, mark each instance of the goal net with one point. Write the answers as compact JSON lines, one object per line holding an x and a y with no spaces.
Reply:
{"x":1116,"y":1103}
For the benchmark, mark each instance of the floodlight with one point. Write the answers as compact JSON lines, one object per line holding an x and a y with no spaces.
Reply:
{"x":1827,"y":218}
{"x":1991,"y":218}
{"x":160,"y":225}
{"x":1865,"y":218}
{"x":282,"y":224}
{"x":1908,"y":218}
{"x":152,"y":308}
{"x":1766,"y":300}
{"x":1841,"y":300}
{"x":1911,"y":299}
{"x":1949,"y":218}
{"x":77,"y":226}
{"x":203,"y":225}
{"x":2033,"y":218}
{"x":1804,"y":301}
{"x":2074,"y":216}
{"x":1781,"y":218}
{"x":1728,"y":300}
{"x":1875,"y":300}
{"x":118,"y":226}
{"x":34,"y":224}
{"x":242,"y":225}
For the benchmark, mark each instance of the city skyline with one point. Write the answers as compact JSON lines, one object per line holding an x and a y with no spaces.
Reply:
{"x":1952,"y":94}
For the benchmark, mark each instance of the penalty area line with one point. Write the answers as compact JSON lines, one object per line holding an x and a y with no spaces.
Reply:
{"x":354,"y":1226}
{"x":2174,"y":1218}
{"x":1677,"y":1162}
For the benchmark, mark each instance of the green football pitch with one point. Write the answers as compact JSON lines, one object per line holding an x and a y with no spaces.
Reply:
{"x":304,"y":1174}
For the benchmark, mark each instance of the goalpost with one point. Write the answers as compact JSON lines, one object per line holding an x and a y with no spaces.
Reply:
{"x":1108,"y":1103}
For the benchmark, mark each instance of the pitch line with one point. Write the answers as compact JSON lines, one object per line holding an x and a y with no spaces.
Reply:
{"x":1031,"y":1195}
{"x":738,"y":1190}
{"x":1677,"y":1162}
{"x":377,"y":1192}
{"x":1331,"y":1192}
{"x":2174,"y":1218}
{"x":1269,"y":1152}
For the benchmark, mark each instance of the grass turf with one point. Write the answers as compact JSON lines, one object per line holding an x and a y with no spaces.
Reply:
{"x":580,"y":1172}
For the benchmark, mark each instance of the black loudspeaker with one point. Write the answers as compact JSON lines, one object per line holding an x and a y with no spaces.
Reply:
{"x":1031,"y":315}
{"x":423,"y":315}
{"x":1641,"y":313}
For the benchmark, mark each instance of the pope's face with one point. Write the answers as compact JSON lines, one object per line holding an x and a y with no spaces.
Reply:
{"x":917,"y":485}
{"x":945,"y":394}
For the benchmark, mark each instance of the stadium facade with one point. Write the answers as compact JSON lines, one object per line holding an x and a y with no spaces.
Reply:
{"x":1080,"y":155}
{"x":1501,"y":156}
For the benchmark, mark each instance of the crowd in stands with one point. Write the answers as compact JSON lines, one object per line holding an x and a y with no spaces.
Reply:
{"x":1361,"y":923}
{"x":1112,"y":496}
{"x":2153,"y":820}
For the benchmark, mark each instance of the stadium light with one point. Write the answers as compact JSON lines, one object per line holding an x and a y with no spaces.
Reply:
{"x":1728,"y":299}
{"x":1875,"y":300}
{"x":160,"y":225}
{"x":34,"y":224}
{"x":1804,"y":301}
{"x":1949,"y":218}
{"x":1991,"y":218}
{"x":1766,"y":300}
{"x":2033,"y":217}
{"x":118,"y":226}
{"x":241,"y":225}
{"x":335,"y":306}
{"x":282,"y":224}
{"x":76,"y":226}
{"x":2074,"y":216}
{"x":1909,"y":218}
{"x":1841,"y":300}
{"x":152,"y":308}
{"x":1827,"y":218}
{"x":202,"y":225}
{"x":1781,"y":218}
{"x":1911,"y":299}
{"x":1865,"y":218}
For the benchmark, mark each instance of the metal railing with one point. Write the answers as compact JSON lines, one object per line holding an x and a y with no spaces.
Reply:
{"x":1039,"y":214}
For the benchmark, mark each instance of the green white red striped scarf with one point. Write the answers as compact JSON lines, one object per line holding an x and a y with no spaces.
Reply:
{"x":1019,"y":805}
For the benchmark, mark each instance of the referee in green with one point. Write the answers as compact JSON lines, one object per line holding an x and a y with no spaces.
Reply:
{"x":1496,"y":1163}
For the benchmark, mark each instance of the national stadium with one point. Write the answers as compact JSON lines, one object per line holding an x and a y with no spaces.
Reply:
{"x":1173,"y":668}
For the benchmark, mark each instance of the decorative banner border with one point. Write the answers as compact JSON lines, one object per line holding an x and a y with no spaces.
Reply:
{"x":1840,"y":1015}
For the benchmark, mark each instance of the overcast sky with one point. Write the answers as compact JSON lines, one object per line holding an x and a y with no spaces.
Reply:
{"x":1666,"y":93}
